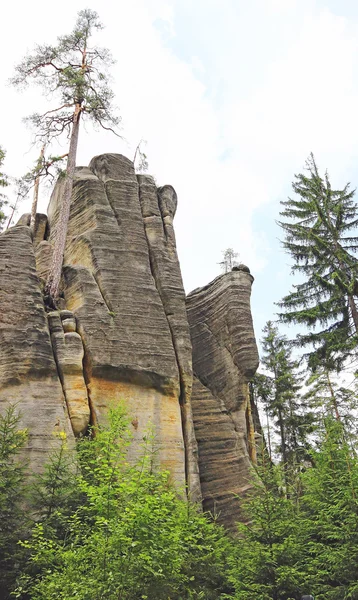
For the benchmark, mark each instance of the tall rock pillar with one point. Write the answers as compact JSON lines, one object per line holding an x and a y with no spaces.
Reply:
{"x":225,"y":357}
{"x":123,"y":285}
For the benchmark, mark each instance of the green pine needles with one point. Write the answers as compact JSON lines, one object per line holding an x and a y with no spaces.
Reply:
{"x":278,"y":391}
{"x":76,"y":73}
{"x":319,"y":226}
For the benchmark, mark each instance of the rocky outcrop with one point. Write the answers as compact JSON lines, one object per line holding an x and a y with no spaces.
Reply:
{"x":224,"y":359}
{"x":124,"y":332}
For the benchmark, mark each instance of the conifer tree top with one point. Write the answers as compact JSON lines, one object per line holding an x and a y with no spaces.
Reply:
{"x":319,"y":225}
{"x":75,"y":73}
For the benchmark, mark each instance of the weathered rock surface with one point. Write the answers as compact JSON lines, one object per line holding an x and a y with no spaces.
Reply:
{"x":40,"y":226}
{"x":224,"y":359}
{"x":124,"y":332}
{"x":28,"y":374}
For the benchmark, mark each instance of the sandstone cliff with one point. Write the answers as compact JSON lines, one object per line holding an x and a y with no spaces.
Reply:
{"x":123,"y":334}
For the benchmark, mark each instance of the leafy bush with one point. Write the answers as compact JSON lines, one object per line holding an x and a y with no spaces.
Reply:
{"x":130,"y":536}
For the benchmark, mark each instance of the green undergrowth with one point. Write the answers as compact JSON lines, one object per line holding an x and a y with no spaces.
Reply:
{"x":97,"y":527}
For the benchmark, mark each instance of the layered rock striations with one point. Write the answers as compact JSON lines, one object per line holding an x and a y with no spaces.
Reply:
{"x":224,"y":360}
{"x":124,"y":333}
{"x":28,"y":373}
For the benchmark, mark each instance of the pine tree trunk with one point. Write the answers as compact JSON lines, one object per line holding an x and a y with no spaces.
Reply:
{"x":11,"y":215}
{"x":283,"y":446}
{"x":268,"y":435}
{"x":53,"y":281}
{"x":36,"y":194}
{"x":250,"y":430}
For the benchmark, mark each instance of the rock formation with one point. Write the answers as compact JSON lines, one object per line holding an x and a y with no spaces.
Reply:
{"x":122,"y":334}
{"x":224,"y":360}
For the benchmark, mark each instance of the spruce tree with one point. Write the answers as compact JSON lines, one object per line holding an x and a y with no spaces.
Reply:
{"x":331,"y":398}
{"x":320,"y":224}
{"x":330,"y":517}
{"x":278,"y":390}
{"x":267,"y":560}
{"x":76,"y":73}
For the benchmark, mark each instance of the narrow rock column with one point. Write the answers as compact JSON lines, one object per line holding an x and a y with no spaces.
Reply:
{"x":69,"y":353}
{"x":224,"y":359}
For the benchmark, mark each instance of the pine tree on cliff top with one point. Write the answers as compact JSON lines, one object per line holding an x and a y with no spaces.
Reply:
{"x":77,"y":74}
{"x":319,"y":226}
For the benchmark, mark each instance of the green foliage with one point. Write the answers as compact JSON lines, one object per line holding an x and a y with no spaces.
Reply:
{"x":3,"y":177}
{"x":279,"y":393}
{"x":267,"y":560}
{"x":45,"y":167}
{"x":76,"y":74}
{"x":12,"y":517}
{"x":330,"y":517}
{"x":307,"y":544}
{"x":54,"y":493}
{"x":20,"y":190}
{"x":318,"y":226}
{"x":331,"y":398}
{"x":130,"y":535}
{"x":140,"y":159}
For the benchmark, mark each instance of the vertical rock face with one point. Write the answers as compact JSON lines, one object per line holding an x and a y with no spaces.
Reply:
{"x":158,"y":210}
{"x":224,"y":359}
{"x":28,"y":374}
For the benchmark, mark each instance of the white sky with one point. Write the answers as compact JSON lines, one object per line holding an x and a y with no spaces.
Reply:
{"x":231,"y":96}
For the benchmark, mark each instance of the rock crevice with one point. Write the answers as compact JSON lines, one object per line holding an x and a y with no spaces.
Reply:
{"x":158,"y":206}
